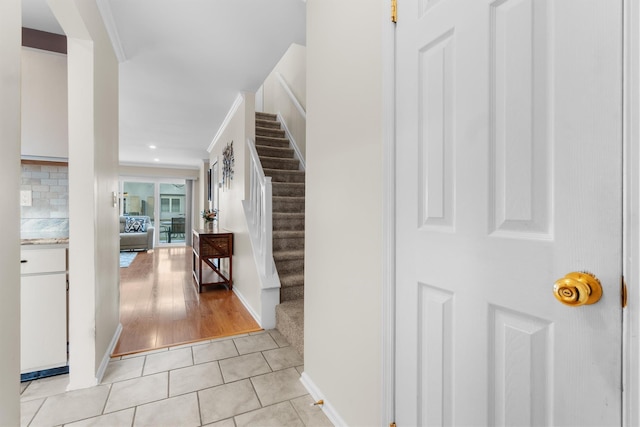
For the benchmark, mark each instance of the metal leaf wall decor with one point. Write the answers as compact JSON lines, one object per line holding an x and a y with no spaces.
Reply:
{"x":227,"y":165}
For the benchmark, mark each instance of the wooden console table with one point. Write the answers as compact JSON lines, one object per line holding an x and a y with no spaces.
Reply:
{"x":210,"y":247}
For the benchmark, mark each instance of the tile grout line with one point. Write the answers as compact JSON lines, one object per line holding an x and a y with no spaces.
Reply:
{"x":145,"y":403}
{"x":296,"y":411}
{"x":268,"y":364}
{"x":144,"y":363}
{"x":168,"y":384}
{"x":199,"y":407}
{"x":37,"y":410}
{"x":253,"y":386}
{"x":107,"y":399}
{"x":217,"y":365}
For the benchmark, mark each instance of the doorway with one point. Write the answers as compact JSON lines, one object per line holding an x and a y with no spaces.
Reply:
{"x":172,"y":213}
{"x":165,"y":201}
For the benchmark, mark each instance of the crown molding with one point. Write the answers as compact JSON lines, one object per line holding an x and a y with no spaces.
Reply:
{"x":112,"y":29}
{"x":234,"y":107}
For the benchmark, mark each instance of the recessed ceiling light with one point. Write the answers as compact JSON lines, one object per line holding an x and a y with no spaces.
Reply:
{"x":156,"y":160}
{"x":153,"y":147}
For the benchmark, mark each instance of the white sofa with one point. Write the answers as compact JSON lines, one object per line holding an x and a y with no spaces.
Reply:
{"x":136,"y":240}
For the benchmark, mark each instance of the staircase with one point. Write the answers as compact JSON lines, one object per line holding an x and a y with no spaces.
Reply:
{"x":278,"y":162}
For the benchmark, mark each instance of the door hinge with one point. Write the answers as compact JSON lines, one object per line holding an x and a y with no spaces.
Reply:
{"x":394,"y":11}
{"x":623,"y":292}
{"x":392,"y":425}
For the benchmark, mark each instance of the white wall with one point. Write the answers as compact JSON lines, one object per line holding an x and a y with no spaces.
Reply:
{"x":144,"y":171}
{"x":292,"y":70}
{"x":231,"y":214}
{"x":93,"y":178}
{"x":44,"y":104}
{"x":344,"y":200}
{"x":10,"y":41}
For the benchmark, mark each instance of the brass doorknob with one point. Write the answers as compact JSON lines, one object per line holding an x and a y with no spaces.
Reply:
{"x":578,"y":288}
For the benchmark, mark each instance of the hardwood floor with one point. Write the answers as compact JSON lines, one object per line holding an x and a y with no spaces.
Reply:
{"x":161,"y":307}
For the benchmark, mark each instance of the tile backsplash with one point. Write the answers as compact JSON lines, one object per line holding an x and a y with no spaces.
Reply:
{"x":48,"y":215}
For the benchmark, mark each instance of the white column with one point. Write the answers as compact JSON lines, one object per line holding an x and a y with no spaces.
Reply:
{"x":10,"y":41}
{"x":93,"y":179}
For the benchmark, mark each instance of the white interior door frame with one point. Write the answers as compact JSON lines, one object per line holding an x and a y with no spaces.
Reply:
{"x":631,"y":268}
{"x":388,"y":216}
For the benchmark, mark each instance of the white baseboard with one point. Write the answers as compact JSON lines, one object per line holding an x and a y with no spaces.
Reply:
{"x":292,"y":141}
{"x":269,"y":298}
{"x":246,"y":304}
{"x":107,"y":355}
{"x":326,"y":407}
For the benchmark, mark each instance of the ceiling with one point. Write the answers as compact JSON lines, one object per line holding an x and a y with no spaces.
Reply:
{"x":182,"y":65}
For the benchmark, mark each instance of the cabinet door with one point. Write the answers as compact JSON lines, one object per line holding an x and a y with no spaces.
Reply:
{"x":43,"y":260}
{"x":43,"y":326}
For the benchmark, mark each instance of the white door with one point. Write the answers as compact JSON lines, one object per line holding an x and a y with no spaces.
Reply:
{"x":509,"y":176}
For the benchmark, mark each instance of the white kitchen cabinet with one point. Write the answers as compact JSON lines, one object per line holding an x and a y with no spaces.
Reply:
{"x":43,"y":304}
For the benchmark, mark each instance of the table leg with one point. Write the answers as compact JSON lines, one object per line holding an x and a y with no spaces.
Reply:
{"x":200,"y":276}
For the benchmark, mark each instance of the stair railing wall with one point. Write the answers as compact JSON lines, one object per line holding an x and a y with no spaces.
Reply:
{"x":259,"y":208}
{"x":292,"y":97}
{"x":293,"y":117}
{"x":297,"y":153}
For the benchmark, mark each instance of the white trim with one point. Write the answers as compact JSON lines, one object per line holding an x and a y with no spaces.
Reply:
{"x":246,"y":304}
{"x":269,"y":299}
{"x":272,"y":282}
{"x":293,"y":98}
{"x":258,"y":210}
{"x":264,"y":323}
{"x":232,"y":111}
{"x":317,"y":395}
{"x":157,"y":166}
{"x":46,"y":159}
{"x":107,"y":355}
{"x":112,"y":29}
{"x":294,"y":145}
{"x":387,"y":409}
{"x":631,"y":196}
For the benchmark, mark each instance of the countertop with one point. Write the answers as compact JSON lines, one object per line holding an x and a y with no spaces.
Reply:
{"x":39,"y":242}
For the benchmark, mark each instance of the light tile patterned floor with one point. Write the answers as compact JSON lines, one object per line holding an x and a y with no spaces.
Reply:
{"x":247,"y":380}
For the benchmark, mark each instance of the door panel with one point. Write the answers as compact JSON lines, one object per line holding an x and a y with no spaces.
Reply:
{"x":520,"y":106}
{"x":509,"y":166}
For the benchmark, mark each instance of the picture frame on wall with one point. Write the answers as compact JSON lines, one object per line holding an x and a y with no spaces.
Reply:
{"x":215,"y":186}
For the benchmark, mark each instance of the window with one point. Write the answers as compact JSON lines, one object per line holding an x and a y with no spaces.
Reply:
{"x":162,"y":199}
{"x":171,"y":204}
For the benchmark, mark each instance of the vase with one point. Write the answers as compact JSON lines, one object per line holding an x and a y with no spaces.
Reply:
{"x":208,"y":225}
